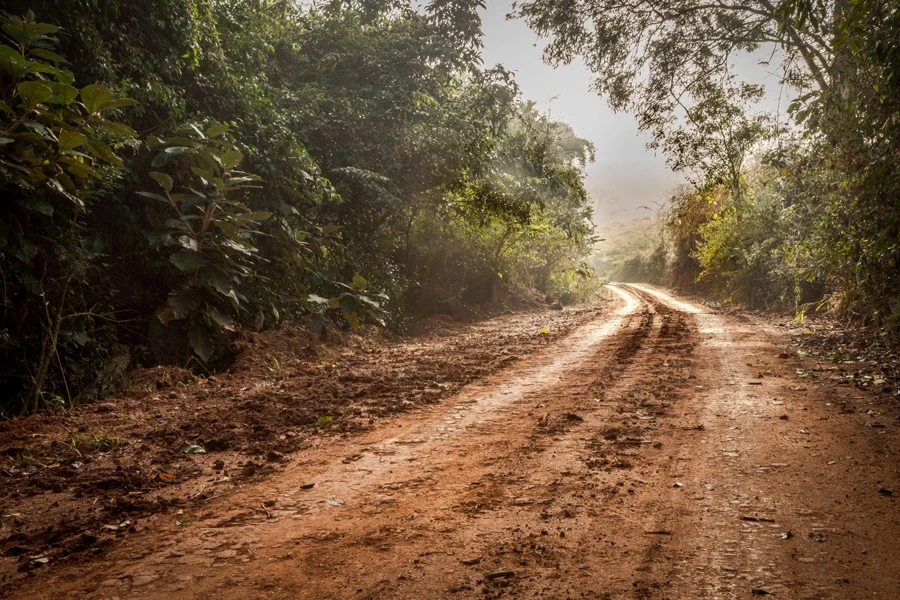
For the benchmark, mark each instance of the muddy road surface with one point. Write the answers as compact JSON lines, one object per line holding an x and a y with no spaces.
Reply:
{"x":660,"y":451}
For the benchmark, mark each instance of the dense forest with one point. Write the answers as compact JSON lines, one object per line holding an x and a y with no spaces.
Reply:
{"x":797,"y":210}
{"x":176,"y":170}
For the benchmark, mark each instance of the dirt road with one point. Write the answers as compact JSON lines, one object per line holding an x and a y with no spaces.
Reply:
{"x":661,"y":451}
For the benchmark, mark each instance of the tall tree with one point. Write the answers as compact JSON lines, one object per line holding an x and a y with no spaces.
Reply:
{"x":650,"y":55}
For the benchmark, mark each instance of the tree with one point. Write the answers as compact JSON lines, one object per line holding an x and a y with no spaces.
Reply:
{"x":717,"y":134}
{"x":649,"y":56}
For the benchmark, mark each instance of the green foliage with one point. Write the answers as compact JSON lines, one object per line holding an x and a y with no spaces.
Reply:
{"x":55,"y":157}
{"x":814,"y":220}
{"x":651,"y":58}
{"x":205,"y":227}
{"x":342,"y":164}
{"x":54,"y":135}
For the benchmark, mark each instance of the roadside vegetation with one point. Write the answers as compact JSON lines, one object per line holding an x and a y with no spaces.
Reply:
{"x":176,"y":170}
{"x":799,"y":212}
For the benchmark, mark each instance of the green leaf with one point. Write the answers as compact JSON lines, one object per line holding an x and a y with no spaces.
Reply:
{"x":359,"y":282}
{"x":66,"y":182}
{"x":203,"y":174}
{"x":255,"y":216}
{"x":11,"y":61}
{"x":222,"y":318}
{"x":159,"y":160}
{"x":63,"y":93}
{"x":16,"y":33}
{"x":33,"y":93}
{"x":231,"y":159}
{"x":353,"y":319}
{"x":179,"y":225}
{"x":37,"y":67}
{"x":65,"y":77}
{"x":114,"y":126}
{"x":183,"y":301}
{"x":348,"y":304}
{"x":40,"y":206}
{"x":27,"y":249}
{"x":34,"y":30}
{"x":80,"y":169}
{"x":164,"y":181}
{"x":165,"y":314}
{"x":201,"y":340}
{"x":217,"y":130}
{"x":153,"y":196}
{"x":102,"y":151}
{"x":217,"y":279}
{"x":188,"y":260}
{"x":47,"y":55}
{"x":71,"y":139}
{"x":175,"y":150}
{"x":95,"y":97}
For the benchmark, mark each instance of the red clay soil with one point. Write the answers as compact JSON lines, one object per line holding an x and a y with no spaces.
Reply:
{"x":658,"y":451}
{"x":71,"y":486}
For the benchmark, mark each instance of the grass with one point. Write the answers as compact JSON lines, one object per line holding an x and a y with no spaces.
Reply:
{"x":95,"y":441}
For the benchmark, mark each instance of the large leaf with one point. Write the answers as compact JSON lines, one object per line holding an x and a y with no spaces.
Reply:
{"x":95,"y":97}
{"x":37,"y":67}
{"x":34,"y":30}
{"x":71,"y":139}
{"x":165,"y":314}
{"x":183,"y":301}
{"x":153,"y":196}
{"x":114,"y":126}
{"x":348,"y":303}
{"x":359,"y":282}
{"x":80,"y":169}
{"x":231,"y":159}
{"x":159,"y":160}
{"x":164,"y":181}
{"x":174,"y":150}
{"x":217,"y":130}
{"x":11,"y":61}
{"x":38,"y":205}
{"x":202,"y":341}
{"x":188,"y":260}
{"x":33,"y":93}
{"x":47,"y":55}
{"x":16,"y":33}
{"x":217,"y":279}
{"x":222,"y":318}
{"x":102,"y":151}
{"x":63,"y":93}
{"x":255,"y":216}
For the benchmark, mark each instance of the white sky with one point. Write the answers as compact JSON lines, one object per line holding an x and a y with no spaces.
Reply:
{"x":626,"y":175}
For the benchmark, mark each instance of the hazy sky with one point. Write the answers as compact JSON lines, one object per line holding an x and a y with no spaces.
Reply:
{"x":626,"y":175}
